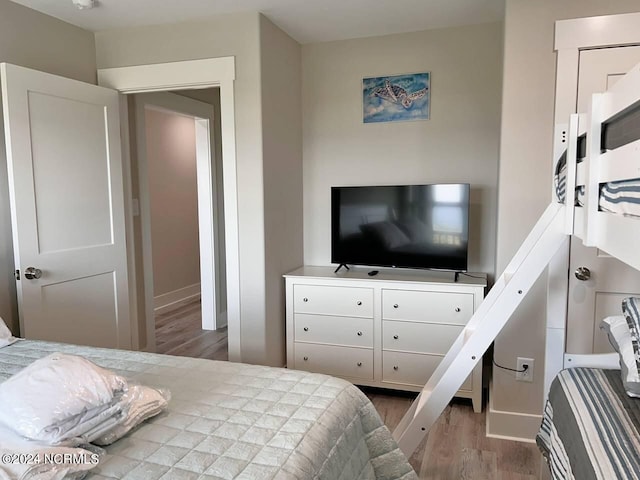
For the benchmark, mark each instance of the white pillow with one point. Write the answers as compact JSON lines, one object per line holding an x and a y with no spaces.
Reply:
{"x":39,"y":401}
{"x":617,"y":329}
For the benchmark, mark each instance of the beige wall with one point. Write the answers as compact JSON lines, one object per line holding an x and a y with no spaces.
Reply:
{"x":173,"y":194}
{"x":458,"y":144}
{"x":227,"y":35}
{"x":525,"y":176}
{"x":37,"y":41}
{"x":280,"y":65}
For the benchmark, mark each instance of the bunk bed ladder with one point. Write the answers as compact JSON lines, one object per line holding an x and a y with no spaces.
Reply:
{"x":544,"y":240}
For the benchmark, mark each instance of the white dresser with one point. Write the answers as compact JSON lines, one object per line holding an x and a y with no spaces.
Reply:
{"x":388,"y":331}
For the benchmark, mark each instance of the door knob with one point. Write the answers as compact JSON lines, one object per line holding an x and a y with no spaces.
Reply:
{"x":32,"y":273}
{"x":582,"y":273}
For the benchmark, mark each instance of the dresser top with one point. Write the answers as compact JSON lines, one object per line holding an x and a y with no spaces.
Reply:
{"x":390,"y":275}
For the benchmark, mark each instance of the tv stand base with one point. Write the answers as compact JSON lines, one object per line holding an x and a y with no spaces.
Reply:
{"x":340,"y":266}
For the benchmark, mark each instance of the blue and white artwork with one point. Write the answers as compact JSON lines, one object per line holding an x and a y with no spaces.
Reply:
{"x":396,"y":98}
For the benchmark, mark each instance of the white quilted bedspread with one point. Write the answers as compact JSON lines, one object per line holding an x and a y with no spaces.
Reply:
{"x":229,"y":420}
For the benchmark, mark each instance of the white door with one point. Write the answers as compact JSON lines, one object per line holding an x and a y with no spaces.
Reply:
{"x":610,"y":280}
{"x":67,"y":208}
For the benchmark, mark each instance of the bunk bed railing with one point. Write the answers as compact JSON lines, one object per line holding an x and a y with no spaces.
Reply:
{"x":612,"y":158}
{"x":572,"y":157}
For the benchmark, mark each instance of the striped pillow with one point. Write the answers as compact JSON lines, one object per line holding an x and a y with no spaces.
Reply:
{"x":631,"y":311}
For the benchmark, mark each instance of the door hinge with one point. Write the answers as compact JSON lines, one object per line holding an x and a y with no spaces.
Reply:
{"x":17,"y":274}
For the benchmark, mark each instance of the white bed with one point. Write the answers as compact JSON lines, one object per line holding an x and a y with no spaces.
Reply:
{"x":230,"y":420}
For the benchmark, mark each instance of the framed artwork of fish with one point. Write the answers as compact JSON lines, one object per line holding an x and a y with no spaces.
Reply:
{"x":396,"y":98}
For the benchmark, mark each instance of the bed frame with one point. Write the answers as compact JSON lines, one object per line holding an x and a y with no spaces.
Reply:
{"x":616,"y":234}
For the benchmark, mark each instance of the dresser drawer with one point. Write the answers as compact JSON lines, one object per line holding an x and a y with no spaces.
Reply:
{"x":412,"y":369}
{"x":418,"y":337}
{"x":332,"y":360}
{"x":326,"y":300}
{"x":350,"y":331}
{"x":436,"y":307}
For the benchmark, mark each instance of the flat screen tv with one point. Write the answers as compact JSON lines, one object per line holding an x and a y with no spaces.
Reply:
{"x":410,"y":226}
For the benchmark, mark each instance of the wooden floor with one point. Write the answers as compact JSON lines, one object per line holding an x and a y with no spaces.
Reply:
{"x":179,"y":332}
{"x":456,"y":448}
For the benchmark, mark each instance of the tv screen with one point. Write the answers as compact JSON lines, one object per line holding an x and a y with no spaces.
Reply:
{"x":411,"y":226}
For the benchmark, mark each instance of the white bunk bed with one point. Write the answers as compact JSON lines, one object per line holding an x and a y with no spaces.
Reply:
{"x":591,"y":425}
{"x":618,"y":234}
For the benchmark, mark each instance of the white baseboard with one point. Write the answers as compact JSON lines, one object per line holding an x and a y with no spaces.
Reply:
{"x":515,"y":426}
{"x":164,"y":302}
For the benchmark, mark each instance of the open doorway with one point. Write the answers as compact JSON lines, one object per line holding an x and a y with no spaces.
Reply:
{"x":181,"y":221}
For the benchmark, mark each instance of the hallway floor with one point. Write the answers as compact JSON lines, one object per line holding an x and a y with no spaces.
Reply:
{"x":179,"y":332}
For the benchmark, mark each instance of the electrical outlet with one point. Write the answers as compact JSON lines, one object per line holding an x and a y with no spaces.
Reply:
{"x":527,"y":375}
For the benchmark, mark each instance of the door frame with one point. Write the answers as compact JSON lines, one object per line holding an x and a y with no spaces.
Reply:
{"x":186,"y":75}
{"x":203,"y":115}
{"x":572,"y":36}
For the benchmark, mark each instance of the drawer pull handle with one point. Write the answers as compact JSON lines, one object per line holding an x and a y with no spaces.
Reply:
{"x":359,"y":334}
{"x":306,"y":329}
{"x":359,"y":302}
{"x":395,"y":367}
{"x":306,"y":358}
{"x":395,"y":305}
{"x":457,"y":309}
{"x":359,"y":364}
{"x":305,"y":299}
{"x":395,"y":337}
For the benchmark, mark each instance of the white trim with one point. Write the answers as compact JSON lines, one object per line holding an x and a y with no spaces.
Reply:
{"x":201,"y":74}
{"x":597,"y":32}
{"x":144,"y":214}
{"x":129,"y":214}
{"x":517,"y":427}
{"x":168,"y":76}
{"x":165,"y":301}
{"x":207,"y":217}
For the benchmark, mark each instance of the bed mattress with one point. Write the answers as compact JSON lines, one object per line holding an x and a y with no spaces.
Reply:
{"x":591,"y":427}
{"x":230,"y":420}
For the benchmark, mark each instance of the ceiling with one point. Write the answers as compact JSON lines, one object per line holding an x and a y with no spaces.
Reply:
{"x":307,"y":21}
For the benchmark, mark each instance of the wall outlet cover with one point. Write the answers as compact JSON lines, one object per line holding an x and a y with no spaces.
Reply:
{"x":527,"y":375}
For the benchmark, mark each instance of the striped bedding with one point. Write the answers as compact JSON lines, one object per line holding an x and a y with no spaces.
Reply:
{"x":591,"y":427}
{"x":622,"y":198}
